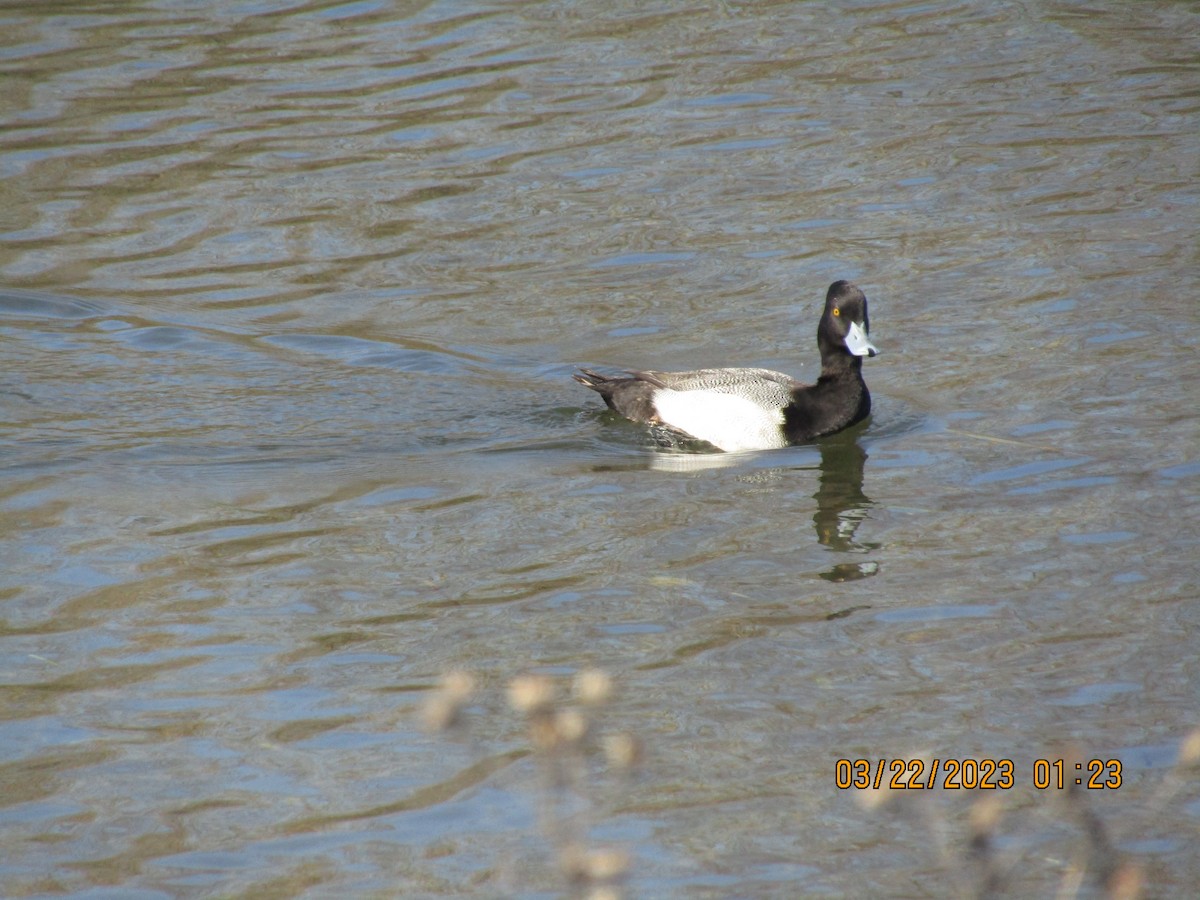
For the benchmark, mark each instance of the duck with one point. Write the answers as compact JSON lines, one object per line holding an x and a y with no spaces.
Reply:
{"x":738,"y":409}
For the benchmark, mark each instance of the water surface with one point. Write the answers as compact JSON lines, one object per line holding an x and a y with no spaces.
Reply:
{"x":290,"y":294}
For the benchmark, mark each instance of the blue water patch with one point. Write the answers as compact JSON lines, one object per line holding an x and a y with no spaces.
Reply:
{"x":208,"y":862}
{"x":745,"y":144}
{"x":359,"y":352}
{"x":643,"y":259}
{"x":1128,"y":578}
{"x":1095,"y":694}
{"x":1146,"y":756}
{"x":1146,"y":846}
{"x":1116,"y":337}
{"x":744,"y":98}
{"x":1100,"y":537}
{"x":388,"y":496}
{"x":350,"y":10}
{"x":1055,"y":306}
{"x":597,"y":490}
{"x":1064,"y":484}
{"x":633,"y":628}
{"x":594,"y":172}
{"x":32,"y":305}
{"x":562,"y":598}
{"x":328,"y":734}
{"x":1038,"y":427}
{"x":903,"y":459}
{"x":491,"y":151}
{"x":161,"y":337}
{"x":1183,"y":470}
{"x":804,"y":224}
{"x":413,"y":135}
{"x":883,"y":206}
{"x":30,"y":736}
{"x":1027,"y":470}
{"x":32,"y":812}
{"x":937,"y":613}
{"x":632,"y":330}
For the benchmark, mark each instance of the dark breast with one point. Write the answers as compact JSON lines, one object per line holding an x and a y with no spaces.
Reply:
{"x":826,"y":407}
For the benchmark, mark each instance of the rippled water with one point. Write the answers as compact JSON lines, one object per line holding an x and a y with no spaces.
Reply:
{"x":290,"y":294}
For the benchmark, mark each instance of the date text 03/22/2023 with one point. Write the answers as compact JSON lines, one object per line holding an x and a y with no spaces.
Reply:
{"x":975,"y":774}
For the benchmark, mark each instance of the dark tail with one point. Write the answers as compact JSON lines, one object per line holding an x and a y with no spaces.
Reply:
{"x":596,"y":381}
{"x":628,"y":395}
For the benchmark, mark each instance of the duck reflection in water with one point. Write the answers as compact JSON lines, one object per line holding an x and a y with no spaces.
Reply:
{"x":842,"y":506}
{"x":841,"y":503}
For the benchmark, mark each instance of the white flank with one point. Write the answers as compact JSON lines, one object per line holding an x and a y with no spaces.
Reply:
{"x":724,"y":420}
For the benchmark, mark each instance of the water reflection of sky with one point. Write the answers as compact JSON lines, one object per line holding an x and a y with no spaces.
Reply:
{"x":289,"y":300}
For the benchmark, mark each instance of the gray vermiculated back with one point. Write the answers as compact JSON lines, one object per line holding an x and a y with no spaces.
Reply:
{"x":765,"y":388}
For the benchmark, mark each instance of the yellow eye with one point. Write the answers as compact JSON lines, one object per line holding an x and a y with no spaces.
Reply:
{"x":836,"y":311}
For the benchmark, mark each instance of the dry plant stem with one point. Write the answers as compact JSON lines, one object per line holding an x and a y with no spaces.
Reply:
{"x":1101,"y":856}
